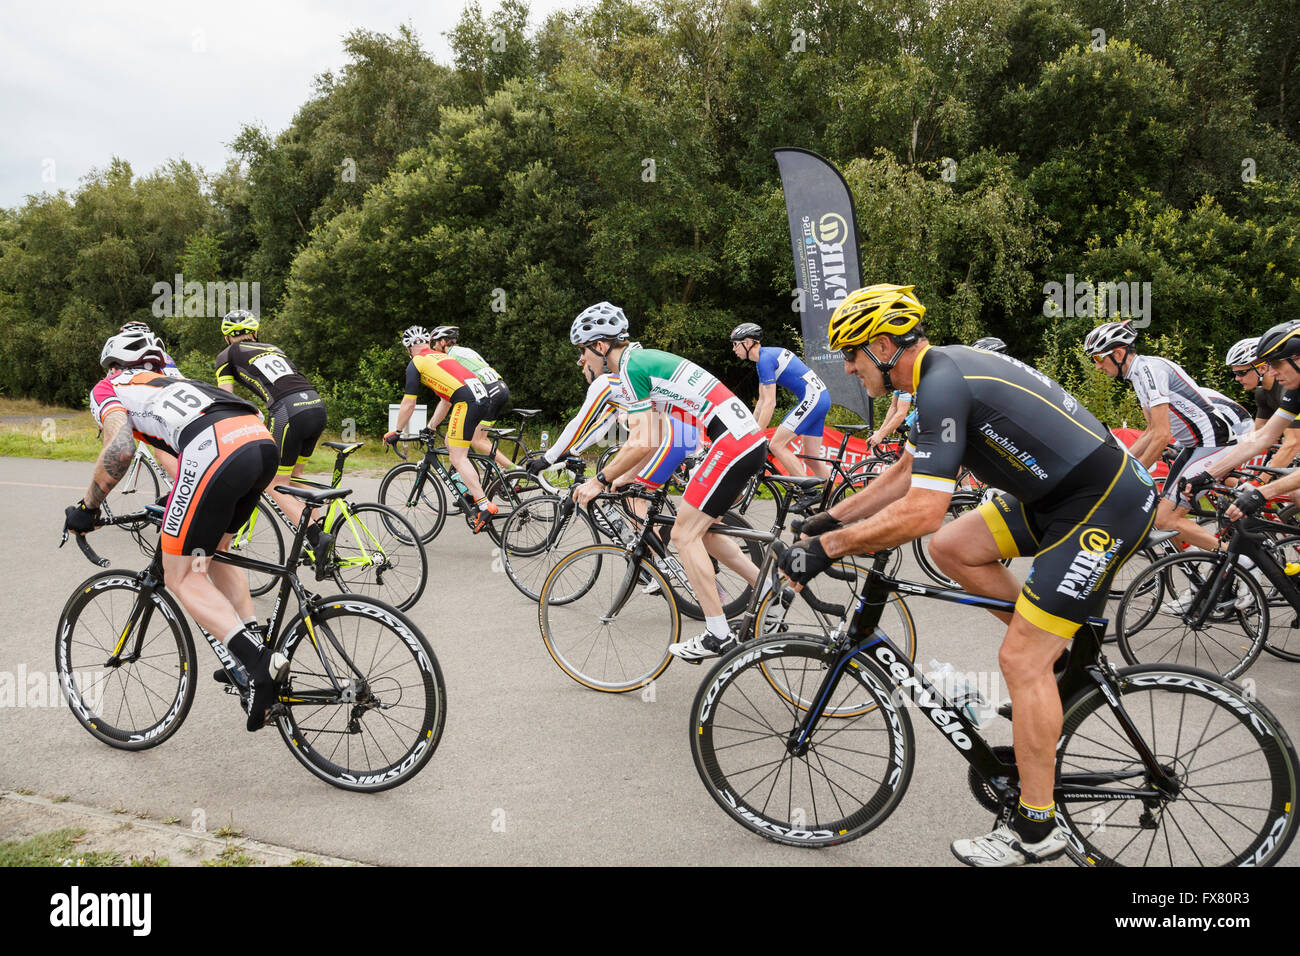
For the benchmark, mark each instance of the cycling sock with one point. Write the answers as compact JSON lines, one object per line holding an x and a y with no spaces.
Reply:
{"x":233,"y":633}
{"x":245,"y":646}
{"x":717,"y":626}
{"x":1035,"y":824}
{"x":481,"y":501}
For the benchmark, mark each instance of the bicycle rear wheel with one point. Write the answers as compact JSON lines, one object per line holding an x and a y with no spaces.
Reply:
{"x":260,"y":538}
{"x":364,"y":703}
{"x":1151,"y":622}
{"x":141,"y":700}
{"x":377,"y":552}
{"x":855,"y":770}
{"x":599,"y":642}
{"x":535,"y":537}
{"x":1235,"y":768}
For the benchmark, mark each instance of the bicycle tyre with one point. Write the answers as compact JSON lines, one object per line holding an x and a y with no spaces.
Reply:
{"x":1252,"y":769}
{"x":399,"y":662}
{"x":399,"y":576}
{"x":260,"y":538}
{"x":526,"y":555}
{"x":160,"y":682}
{"x":429,"y":513}
{"x":1149,"y":632}
{"x":610,"y":654}
{"x":739,"y":725}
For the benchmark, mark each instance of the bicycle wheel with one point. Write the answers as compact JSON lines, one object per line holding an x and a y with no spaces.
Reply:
{"x":261,"y":539}
{"x":1283,"y":642}
{"x":139,"y":487}
{"x":377,"y":720}
{"x":854,"y":771}
{"x":533,"y":539}
{"x":508,"y":490}
{"x":377,"y":553}
{"x":600,"y":645}
{"x":428,"y":511}
{"x":141,"y":700}
{"x":1233,"y":762}
{"x":733,"y":591}
{"x":1151,"y":623}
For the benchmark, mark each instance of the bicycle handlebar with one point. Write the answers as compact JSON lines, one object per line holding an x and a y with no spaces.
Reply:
{"x":84,"y":545}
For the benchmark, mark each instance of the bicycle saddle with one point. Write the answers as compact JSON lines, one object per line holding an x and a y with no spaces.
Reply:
{"x":316,"y":496}
{"x":1157,"y":537}
{"x":346,"y":448}
{"x":850,"y":428}
{"x":804,"y":482}
{"x":525,"y":412}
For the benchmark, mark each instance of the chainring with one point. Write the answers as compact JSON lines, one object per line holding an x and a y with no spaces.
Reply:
{"x":981,"y":789}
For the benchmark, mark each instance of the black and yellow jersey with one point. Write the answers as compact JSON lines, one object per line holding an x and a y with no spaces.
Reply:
{"x":1010,"y":424}
{"x":260,"y":367}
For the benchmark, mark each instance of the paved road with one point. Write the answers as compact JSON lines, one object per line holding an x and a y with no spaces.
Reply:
{"x":533,"y":768}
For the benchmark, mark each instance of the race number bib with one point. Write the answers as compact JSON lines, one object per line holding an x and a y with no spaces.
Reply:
{"x":477,"y":390}
{"x":179,"y":405}
{"x":735,"y":417}
{"x":272,"y":366}
{"x":487,"y":376}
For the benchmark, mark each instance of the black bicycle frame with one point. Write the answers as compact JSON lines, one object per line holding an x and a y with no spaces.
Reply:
{"x":1084,"y":668}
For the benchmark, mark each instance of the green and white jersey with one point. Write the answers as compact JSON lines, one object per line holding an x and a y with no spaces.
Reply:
{"x":467,"y":357}
{"x":650,"y":378}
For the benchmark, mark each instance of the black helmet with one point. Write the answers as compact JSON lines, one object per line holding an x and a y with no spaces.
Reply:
{"x":990,"y":343}
{"x":1279,"y":342}
{"x":747,"y":330}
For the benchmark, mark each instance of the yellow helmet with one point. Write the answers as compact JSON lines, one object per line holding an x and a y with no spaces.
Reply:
{"x":876,"y":310}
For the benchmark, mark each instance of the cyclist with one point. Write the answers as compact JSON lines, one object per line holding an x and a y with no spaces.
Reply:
{"x":777,"y":366}
{"x":1177,"y":410}
{"x":460,"y":393}
{"x":648,"y":378}
{"x":226,"y":458}
{"x":1074,"y":501}
{"x":901,"y":415}
{"x":170,"y":369}
{"x":295,"y":411}
{"x":1276,"y":349}
{"x":444,"y":339}
{"x":1254,"y":375}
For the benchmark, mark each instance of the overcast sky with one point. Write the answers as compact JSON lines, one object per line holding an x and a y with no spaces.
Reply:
{"x":158,"y":79}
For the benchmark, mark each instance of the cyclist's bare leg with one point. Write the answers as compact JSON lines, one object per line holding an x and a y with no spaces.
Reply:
{"x":689,"y":529}
{"x":459,"y":456}
{"x":1026,"y":659}
{"x":779,"y":448}
{"x":187,"y":578}
{"x":1169,"y":517}
{"x":483,"y":445}
{"x":812,"y":445}
{"x":728,"y":551}
{"x":966,"y":551}
{"x":232,"y":582}
{"x":166,"y":461}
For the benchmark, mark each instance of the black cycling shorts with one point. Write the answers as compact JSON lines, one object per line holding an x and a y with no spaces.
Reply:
{"x":297,"y":422}
{"x":1078,"y":541}
{"x":225,"y":463}
{"x":497,"y":400}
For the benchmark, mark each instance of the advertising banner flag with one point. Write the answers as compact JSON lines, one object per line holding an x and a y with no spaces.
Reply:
{"x":827,"y":266}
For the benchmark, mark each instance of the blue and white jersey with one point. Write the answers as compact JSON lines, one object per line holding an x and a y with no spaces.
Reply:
{"x":782,"y":367}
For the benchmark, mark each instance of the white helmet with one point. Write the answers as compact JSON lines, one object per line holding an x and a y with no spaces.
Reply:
{"x":1108,"y":336}
{"x":1243,"y":353}
{"x":598,"y":322}
{"x":415,"y":335}
{"x":128,"y":349}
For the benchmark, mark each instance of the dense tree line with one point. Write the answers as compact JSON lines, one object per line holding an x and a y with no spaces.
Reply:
{"x":621,"y":151}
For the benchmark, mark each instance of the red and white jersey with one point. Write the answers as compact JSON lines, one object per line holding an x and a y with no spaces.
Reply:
{"x":158,"y":406}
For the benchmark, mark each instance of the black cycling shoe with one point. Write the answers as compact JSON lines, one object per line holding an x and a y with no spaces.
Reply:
{"x":264,"y":680}
{"x":222,"y":676}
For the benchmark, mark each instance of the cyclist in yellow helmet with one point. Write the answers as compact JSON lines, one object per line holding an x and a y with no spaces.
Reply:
{"x":1073,"y":500}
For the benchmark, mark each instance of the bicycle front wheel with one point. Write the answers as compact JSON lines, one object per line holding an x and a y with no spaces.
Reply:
{"x":130,"y":698}
{"x":607,"y":622}
{"x":377,"y":552}
{"x":1154,"y":621}
{"x":1234,"y":766}
{"x":427,"y":511}
{"x":364,"y":703}
{"x":536,"y":536}
{"x":855,"y":769}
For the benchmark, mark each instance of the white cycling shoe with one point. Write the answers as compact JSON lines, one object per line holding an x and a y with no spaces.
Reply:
{"x":702,"y":647}
{"x":1005,"y":847}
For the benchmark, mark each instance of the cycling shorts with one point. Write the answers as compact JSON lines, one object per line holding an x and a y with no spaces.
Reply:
{"x":497,"y":400}
{"x":1190,"y":462}
{"x":720,"y":477}
{"x":809,"y":416}
{"x":467,"y":413}
{"x":680,"y":439}
{"x":1078,"y":540}
{"x":297,"y":422}
{"x":226,"y":461}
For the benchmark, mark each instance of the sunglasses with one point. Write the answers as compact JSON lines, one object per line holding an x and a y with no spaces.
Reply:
{"x":1243,"y":373}
{"x":849,"y":353}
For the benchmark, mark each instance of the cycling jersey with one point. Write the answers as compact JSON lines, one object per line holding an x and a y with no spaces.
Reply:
{"x":1269,"y":400}
{"x":1236,"y":415}
{"x":782,"y":367}
{"x":261,"y":367}
{"x":680,"y":439}
{"x":160,"y":408}
{"x":1193,"y":418}
{"x":467,"y":357}
{"x":443,"y":374}
{"x":648,"y":377}
{"x":598,"y":413}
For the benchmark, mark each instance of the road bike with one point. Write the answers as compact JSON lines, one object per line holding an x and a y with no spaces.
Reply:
{"x":362,"y":706}
{"x":1157,"y":764}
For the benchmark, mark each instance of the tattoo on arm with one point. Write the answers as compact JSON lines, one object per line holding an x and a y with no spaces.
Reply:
{"x":119,"y":448}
